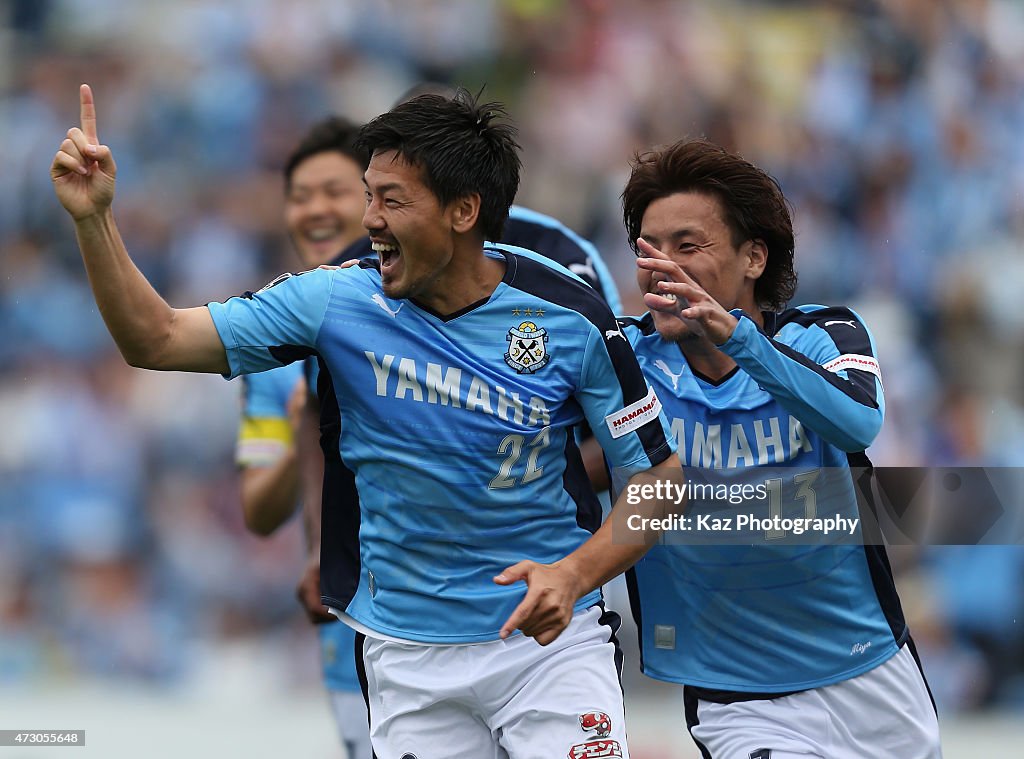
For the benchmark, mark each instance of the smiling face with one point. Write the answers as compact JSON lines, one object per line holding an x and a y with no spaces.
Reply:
{"x":414,"y":235}
{"x":324,"y":206}
{"x":690,"y":228}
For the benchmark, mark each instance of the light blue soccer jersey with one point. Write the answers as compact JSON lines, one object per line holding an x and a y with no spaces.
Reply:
{"x":339,"y":571}
{"x":758,"y":613}
{"x":459,"y":429}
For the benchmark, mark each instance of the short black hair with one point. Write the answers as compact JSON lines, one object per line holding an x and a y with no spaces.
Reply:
{"x":462,"y":147}
{"x":428,"y":87}
{"x":332,"y":134}
{"x":752,"y":203}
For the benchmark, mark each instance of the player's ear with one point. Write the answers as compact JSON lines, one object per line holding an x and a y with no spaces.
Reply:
{"x":465,"y":211}
{"x":757,"y":258}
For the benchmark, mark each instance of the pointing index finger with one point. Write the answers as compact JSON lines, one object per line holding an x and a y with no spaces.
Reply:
{"x":88,"y":114}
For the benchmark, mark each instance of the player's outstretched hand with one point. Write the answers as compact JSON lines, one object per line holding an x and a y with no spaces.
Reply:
{"x":552,"y":592}
{"x":83,"y":170}
{"x":308,"y":593}
{"x":676,"y":292}
{"x":343,"y":265}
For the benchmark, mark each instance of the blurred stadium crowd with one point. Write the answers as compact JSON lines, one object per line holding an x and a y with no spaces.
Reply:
{"x":894,"y":127}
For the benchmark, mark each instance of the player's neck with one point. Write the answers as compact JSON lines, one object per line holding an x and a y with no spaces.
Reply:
{"x":705,"y":359}
{"x":470,"y":278}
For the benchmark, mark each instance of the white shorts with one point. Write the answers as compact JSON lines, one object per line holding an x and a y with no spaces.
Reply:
{"x":349,"y":710}
{"x":885,"y":713}
{"x":503,"y":699}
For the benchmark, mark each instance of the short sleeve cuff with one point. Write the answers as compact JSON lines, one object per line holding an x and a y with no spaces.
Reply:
{"x":218,"y":311}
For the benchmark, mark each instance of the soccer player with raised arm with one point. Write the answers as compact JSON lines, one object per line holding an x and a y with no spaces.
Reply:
{"x":324,"y":207}
{"x":785,"y":648}
{"x":459,"y":371}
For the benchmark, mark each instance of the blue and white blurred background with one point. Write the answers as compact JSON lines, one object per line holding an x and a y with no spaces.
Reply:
{"x":132,"y":602}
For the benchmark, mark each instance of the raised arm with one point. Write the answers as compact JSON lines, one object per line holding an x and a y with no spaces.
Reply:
{"x":836,"y":392}
{"x":148,"y":332}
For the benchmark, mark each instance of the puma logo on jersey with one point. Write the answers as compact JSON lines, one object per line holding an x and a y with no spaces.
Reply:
{"x":674,"y":377}
{"x":850,"y":322}
{"x":610,"y":333}
{"x":379,"y":300}
{"x":584,"y":270}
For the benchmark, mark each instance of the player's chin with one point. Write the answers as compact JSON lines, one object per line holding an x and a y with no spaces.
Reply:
{"x":671,"y":328}
{"x":394,"y":288}
{"x":314,"y":254}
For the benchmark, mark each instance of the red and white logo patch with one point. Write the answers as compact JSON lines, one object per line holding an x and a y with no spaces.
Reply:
{"x":855,"y":361}
{"x":600,"y":724}
{"x":634,"y":416}
{"x":602,"y":749}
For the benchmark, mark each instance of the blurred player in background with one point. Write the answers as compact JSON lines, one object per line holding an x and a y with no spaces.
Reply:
{"x":461,"y":441}
{"x":784,"y":650}
{"x":323,"y":212}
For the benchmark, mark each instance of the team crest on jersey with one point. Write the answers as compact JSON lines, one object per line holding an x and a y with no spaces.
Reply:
{"x":600,"y":724}
{"x":527,"y":348}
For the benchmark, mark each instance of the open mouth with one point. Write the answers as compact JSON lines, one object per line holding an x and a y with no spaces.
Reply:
{"x":319,"y":242}
{"x":387,"y":253}
{"x":322,"y":233}
{"x":654,"y":287}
